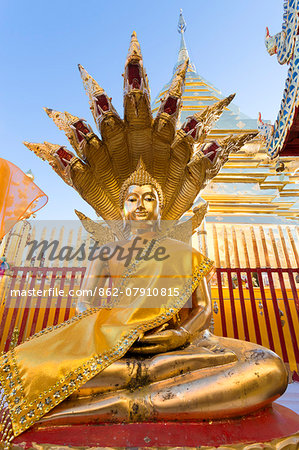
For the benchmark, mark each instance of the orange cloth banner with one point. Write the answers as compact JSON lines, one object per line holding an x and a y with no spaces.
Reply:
{"x":19,"y":196}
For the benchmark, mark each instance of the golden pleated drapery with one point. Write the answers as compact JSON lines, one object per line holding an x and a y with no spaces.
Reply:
{"x":43,"y":371}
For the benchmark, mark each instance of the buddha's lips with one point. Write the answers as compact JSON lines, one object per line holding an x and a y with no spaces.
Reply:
{"x":141,"y":214}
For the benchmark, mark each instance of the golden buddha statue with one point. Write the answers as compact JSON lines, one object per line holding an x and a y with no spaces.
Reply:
{"x":142,"y":357}
{"x":177,"y":370}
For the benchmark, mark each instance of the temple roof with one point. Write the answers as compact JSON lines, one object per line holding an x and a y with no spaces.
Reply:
{"x":283,"y":136}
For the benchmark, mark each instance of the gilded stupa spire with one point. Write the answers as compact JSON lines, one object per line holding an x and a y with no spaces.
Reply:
{"x":183,"y":51}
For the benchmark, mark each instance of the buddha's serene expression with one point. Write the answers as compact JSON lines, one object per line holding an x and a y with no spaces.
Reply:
{"x":141,"y":203}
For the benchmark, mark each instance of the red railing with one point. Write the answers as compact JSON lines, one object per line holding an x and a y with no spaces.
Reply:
{"x":258,"y":304}
{"x":31,"y":313}
{"x":268,"y":308}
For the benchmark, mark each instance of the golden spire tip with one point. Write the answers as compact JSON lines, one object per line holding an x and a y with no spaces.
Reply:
{"x":47,"y":110}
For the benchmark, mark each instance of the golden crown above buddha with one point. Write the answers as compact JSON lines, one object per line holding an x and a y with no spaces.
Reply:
{"x":140,"y":178}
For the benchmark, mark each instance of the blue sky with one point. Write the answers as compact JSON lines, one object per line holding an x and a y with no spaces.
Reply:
{"x":43,"y":41}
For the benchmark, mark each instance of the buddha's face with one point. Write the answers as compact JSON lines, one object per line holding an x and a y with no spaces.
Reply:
{"x":141,"y":204}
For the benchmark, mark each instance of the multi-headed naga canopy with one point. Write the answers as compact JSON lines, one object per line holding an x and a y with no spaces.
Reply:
{"x":180,"y":161}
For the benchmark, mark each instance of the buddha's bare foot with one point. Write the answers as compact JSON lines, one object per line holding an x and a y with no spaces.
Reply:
{"x":111,"y":407}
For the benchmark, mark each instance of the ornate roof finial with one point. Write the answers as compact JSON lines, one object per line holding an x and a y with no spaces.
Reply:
{"x":182,"y":24}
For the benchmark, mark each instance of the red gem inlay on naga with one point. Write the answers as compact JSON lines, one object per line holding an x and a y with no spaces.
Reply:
{"x":82,"y":128}
{"x":191,"y":124}
{"x":212,"y":149}
{"x":64,"y":156}
{"x":170,"y":105}
{"x":102,"y":103}
{"x":134,"y":77}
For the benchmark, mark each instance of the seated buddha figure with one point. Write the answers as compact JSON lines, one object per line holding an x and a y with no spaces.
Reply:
{"x":176,"y":370}
{"x":143,"y":357}
{"x":147,"y":354}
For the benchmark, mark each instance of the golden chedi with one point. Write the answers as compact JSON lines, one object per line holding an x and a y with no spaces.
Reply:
{"x":141,"y":357}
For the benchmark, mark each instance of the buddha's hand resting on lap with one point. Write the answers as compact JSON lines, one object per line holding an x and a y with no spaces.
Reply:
{"x":162,"y":341}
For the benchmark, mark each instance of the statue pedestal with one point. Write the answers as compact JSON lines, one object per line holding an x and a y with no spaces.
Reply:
{"x":271,"y":424}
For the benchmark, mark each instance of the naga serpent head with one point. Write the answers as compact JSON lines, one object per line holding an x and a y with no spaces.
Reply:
{"x":271,"y":43}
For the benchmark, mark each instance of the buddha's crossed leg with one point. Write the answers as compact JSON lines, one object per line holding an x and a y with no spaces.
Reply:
{"x":202,"y":381}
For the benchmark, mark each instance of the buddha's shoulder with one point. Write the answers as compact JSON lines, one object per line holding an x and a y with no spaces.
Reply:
{"x":179,"y":249}
{"x":178,"y":246}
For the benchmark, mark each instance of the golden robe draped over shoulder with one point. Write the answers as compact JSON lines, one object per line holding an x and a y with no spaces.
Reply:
{"x":48,"y":367}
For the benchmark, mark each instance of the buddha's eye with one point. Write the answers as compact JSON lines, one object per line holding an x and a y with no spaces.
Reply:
{"x":150,"y":199}
{"x":131,"y":199}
